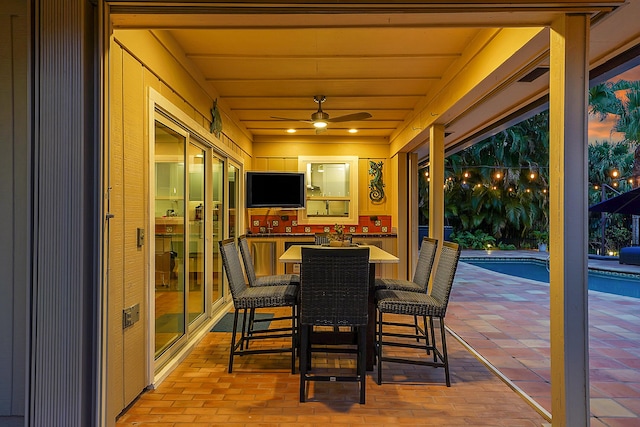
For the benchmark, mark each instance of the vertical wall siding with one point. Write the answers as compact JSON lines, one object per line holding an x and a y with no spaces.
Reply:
{"x":115,"y":237}
{"x":63,"y":314}
{"x":135,"y":208}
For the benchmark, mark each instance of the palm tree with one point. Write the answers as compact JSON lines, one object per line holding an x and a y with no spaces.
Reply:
{"x":620,"y":99}
{"x":608,"y":232}
{"x":508,"y":207}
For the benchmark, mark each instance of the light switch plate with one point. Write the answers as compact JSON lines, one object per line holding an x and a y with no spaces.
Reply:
{"x":140,"y":236}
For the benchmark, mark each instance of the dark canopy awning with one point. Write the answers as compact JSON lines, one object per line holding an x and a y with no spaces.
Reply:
{"x":625,"y":203}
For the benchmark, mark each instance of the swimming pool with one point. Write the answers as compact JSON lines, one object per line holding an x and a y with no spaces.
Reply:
{"x":625,"y":284}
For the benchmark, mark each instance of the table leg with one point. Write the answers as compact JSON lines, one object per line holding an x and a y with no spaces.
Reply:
{"x":371,"y":321}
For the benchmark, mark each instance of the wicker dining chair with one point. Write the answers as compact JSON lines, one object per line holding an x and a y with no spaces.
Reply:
{"x":251,"y":298}
{"x":420,"y":282}
{"x":254,"y":280}
{"x":432,"y":305}
{"x":322,"y":238}
{"x":334,"y":290}
{"x":268,"y":280}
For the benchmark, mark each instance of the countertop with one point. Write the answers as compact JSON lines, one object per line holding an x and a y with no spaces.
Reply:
{"x":357,"y":235}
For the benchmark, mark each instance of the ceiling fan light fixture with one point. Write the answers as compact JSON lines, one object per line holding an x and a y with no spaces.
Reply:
{"x":320,"y":124}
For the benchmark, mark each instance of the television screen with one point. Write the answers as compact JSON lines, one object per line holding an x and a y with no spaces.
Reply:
{"x":275,"y":190}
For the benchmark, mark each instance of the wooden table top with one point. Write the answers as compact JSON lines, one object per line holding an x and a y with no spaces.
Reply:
{"x":376,"y":255}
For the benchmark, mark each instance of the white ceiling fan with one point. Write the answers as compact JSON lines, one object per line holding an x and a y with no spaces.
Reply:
{"x":320,"y":119}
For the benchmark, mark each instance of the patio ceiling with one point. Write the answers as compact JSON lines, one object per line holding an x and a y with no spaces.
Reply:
{"x":470,"y":66}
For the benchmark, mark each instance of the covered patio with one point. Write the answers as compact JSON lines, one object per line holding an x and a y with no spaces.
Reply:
{"x":500,"y":366}
{"x":75,"y":236}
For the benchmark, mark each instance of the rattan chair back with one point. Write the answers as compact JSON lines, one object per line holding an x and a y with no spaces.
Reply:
{"x":249,"y":270}
{"x":334,"y":286}
{"x":232,"y":267}
{"x":425,"y":262}
{"x":322,"y":238}
{"x":444,"y":275}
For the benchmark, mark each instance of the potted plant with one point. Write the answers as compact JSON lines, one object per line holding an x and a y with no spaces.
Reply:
{"x":542,"y":237}
{"x":338,"y":238}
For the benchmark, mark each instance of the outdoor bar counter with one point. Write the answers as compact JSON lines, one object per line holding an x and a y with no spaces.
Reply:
{"x":266,"y":249}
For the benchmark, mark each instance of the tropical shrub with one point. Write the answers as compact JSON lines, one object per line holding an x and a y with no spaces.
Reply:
{"x":477,"y":240}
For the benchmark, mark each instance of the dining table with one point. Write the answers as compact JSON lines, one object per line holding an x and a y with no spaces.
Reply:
{"x":376,"y":256}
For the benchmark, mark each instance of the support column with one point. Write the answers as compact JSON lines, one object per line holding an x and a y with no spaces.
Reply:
{"x":436,"y":183}
{"x":64,"y":318}
{"x":412,"y":214}
{"x":568,"y":220}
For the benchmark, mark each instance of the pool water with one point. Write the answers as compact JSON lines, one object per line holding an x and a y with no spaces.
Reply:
{"x":609,"y":282}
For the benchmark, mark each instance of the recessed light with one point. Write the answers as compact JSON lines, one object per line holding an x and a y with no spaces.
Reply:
{"x":353,"y":131}
{"x":291,"y":131}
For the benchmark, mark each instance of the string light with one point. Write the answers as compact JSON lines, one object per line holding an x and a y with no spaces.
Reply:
{"x":499,"y":174}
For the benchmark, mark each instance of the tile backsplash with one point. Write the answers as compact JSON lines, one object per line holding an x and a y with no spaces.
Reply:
{"x":289,"y":224}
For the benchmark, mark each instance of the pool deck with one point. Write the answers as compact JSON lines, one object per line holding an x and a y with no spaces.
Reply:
{"x":506,"y":320}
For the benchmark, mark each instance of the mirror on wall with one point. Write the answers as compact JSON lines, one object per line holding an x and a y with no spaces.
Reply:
{"x":332,"y":190}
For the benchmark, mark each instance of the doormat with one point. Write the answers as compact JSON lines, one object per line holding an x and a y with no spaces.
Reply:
{"x":226,"y":323}
{"x":173,"y":322}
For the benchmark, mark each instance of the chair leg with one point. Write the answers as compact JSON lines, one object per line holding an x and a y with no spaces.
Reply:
{"x":433,"y":337}
{"x":244,"y":334}
{"x":233,"y":340}
{"x":252,"y":315}
{"x":294,"y":339}
{"x":304,"y":355}
{"x":425,"y":328}
{"x":445,"y":357}
{"x":379,"y":348}
{"x":362,"y":361}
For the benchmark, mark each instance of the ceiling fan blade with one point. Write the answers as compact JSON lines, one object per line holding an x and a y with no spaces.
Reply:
{"x":291,"y":120}
{"x":350,"y":117}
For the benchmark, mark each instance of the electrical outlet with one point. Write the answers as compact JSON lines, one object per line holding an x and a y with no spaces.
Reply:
{"x":130,"y":315}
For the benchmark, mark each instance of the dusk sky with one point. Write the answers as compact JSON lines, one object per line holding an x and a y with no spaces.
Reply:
{"x":601,"y":130}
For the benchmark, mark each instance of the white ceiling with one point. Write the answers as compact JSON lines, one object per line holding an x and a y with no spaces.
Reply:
{"x":402,"y":64}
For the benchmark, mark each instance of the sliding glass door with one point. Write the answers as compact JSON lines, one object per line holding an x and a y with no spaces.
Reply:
{"x":217,"y":216}
{"x":196,"y":227}
{"x":194,"y":196}
{"x":169,"y":256}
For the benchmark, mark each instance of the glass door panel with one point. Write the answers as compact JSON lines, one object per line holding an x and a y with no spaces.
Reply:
{"x":217,"y":182}
{"x":234,"y":184}
{"x":169,"y":237}
{"x":196,"y":229}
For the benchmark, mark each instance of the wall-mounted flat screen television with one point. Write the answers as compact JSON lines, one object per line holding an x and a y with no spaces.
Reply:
{"x":275,"y":190}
